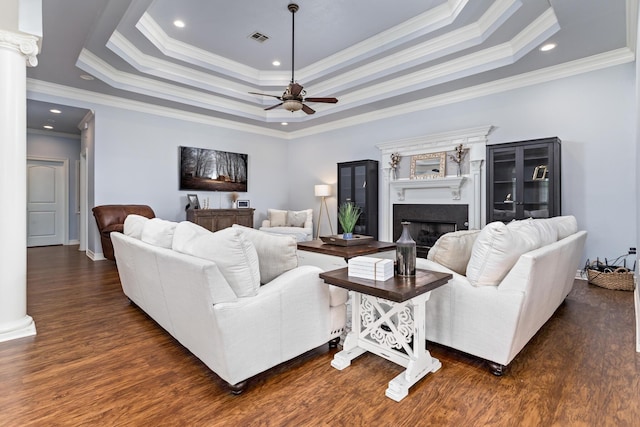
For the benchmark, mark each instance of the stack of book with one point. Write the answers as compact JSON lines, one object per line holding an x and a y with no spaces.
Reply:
{"x":371,"y":268}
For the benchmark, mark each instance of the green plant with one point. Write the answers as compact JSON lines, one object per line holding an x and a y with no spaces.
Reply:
{"x":348,"y":215}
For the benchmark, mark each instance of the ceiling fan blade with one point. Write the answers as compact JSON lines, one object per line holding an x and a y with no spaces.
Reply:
{"x":273,"y":106}
{"x":307,"y":109}
{"x":295,"y":89}
{"x":266,"y":94}
{"x":328,"y":100}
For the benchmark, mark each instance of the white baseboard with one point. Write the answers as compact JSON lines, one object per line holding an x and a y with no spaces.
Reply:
{"x":93,"y":256}
{"x":581,"y":275}
{"x":73,"y":242}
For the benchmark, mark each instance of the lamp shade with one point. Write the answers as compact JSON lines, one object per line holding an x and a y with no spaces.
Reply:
{"x":322,"y":190}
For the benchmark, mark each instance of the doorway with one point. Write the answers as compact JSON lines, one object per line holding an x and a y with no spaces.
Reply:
{"x":47,"y":210}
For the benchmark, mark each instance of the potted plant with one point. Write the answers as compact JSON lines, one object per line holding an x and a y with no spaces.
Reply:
{"x":348,"y":215}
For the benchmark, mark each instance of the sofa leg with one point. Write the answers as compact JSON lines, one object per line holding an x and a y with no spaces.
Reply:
{"x":496,"y":369}
{"x":236,"y":389}
{"x":334,"y":342}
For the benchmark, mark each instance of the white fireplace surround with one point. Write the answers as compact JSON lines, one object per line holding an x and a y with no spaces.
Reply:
{"x":469,"y":188}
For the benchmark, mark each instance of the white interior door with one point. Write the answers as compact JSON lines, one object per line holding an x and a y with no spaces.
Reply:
{"x":45,"y":203}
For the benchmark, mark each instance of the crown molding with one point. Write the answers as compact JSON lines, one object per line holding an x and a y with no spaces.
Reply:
{"x":450,"y":42}
{"x":168,"y":70}
{"x":425,"y":23}
{"x":94,"y":65}
{"x":476,"y":62}
{"x":40,"y":90}
{"x":193,"y":55}
{"x":33,"y":131}
{"x":36,"y":88}
{"x":569,"y":69}
{"x":464,"y":66}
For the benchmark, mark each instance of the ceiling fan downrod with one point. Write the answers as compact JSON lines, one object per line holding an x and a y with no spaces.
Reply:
{"x":293,"y":8}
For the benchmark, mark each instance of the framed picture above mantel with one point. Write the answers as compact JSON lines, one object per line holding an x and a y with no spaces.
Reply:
{"x":213,"y":170}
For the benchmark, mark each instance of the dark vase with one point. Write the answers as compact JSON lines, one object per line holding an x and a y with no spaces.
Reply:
{"x":405,"y":253}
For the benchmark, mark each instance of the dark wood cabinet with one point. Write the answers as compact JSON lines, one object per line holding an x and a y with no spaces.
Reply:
{"x":358,"y":183}
{"x":523,"y":180}
{"x":217,"y":219}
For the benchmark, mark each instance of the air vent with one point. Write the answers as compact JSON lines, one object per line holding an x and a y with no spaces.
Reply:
{"x":259,"y":37}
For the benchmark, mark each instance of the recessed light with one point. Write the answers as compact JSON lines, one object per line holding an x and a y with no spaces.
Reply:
{"x":547,"y":47}
{"x":54,"y":111}
{"x":47,"y":127}
{"x":276,"y":63}
{"x":284,"y":123}
{"x":86,"y":77}
{"x":178,"y":23}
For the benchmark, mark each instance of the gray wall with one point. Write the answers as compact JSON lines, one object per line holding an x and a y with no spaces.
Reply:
{"x":136,"y":154}
{"x":593,"y":114}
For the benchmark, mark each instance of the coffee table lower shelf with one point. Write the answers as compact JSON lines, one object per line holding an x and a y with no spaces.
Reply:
{"x":388,"y":319}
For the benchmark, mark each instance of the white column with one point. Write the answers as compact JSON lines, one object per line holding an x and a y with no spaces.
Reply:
{"x":15,"y":50}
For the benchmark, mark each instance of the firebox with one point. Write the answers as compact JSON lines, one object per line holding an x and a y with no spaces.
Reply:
{"x":429,"y":222}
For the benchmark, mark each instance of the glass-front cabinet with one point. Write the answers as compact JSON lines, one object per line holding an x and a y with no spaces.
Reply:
{"x":523,"y":180}
{"x":358,"y":183}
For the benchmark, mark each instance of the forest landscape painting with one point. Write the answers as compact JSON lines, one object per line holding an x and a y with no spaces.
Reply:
{"x":212,"y":170}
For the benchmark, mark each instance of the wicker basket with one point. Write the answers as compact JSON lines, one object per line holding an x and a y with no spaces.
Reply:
{"x":620,"y":279}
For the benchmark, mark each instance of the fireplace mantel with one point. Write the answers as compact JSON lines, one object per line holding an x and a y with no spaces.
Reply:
{"x":400,"y":186}
{"x":466,"y":189}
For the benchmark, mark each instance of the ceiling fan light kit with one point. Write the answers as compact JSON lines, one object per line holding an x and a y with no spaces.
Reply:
{"x":293,"y":97}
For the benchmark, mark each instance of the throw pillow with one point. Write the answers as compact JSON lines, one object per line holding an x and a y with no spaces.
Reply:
{"x":494,"y":253}
{"x":296,"y":219}
{"x":453,"y":250}
{"x":276,"y":253}
{"x":564,"y":225}
{"x":133,"y":225}
{"x":234,"y":255}
{"x":158,"y":232}
{"x":277,"y":217}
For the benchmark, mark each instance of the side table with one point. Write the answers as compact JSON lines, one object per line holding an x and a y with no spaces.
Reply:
{"x":388,"y":319}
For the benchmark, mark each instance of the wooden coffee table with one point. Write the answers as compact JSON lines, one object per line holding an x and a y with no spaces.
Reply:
{"x":388,"y":319}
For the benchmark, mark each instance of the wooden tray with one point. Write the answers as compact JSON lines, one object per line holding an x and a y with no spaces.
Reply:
{"x":337,"y":239}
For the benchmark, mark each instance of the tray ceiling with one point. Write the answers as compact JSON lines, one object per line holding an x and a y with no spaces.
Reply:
{"x":373,"y":56}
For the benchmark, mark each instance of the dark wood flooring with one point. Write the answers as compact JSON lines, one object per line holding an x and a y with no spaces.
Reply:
{"x":98,"y":360}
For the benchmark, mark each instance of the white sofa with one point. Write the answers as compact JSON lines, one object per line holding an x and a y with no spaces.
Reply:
{"x":298,"y":224}
{"x":205,"y":290}
{"x":507,"y":282}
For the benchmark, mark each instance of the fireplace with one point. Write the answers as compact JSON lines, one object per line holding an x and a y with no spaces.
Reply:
{"x":429,"y":222}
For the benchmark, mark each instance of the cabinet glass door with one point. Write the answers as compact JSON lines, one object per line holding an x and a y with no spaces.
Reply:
{"x":536,"y":171}
{"x":360,"y":197}
{"x":504,"y":185}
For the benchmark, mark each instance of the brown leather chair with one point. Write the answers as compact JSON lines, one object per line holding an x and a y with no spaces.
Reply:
{"x":111,"y":218}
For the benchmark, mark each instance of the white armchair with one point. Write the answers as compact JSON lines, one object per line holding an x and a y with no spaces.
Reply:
{"x":292,"y":223}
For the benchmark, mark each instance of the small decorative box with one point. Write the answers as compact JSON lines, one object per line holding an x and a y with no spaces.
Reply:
{"x":371,"y":268}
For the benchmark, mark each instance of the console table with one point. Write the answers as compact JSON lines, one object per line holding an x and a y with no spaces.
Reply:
{"x":388,"y":319}
{"x":217,"y":219}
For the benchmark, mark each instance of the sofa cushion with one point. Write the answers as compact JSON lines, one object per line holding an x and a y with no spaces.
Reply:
{"x":234,"y":255}
{"x":564,"y":225}
{"x":276,"y":253}
{"x":530,"y":235}
{"x":453,"y":250}
{"x":548,"y":232}
{"x":158,"y":232}
{"x":494,"y":253}
{"x":277,"y":217}
{"x":133,"y":225}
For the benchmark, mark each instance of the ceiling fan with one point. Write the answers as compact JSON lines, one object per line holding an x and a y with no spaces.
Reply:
{"x":293,"y":97}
